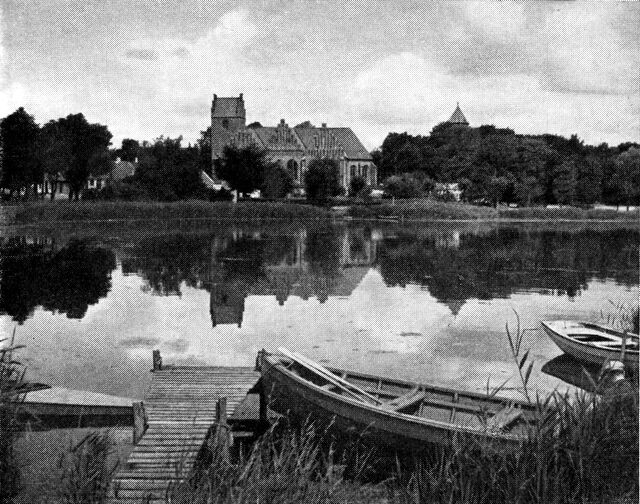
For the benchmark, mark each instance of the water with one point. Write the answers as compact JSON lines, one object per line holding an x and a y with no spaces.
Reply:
{"x":426,"y":302}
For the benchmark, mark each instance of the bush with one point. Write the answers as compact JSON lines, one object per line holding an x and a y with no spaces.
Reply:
{"x":357,"y":184}
{"x":278,"y":182}
{"x":403,"y":186}
{"x":322,"y":180}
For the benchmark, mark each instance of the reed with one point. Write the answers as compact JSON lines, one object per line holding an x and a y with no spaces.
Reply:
{"x":86,"y":470}
{"x":11,"y":380}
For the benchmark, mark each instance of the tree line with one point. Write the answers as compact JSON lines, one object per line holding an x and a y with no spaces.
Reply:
{"x":494,"y":165}
{"x":489,"y":164}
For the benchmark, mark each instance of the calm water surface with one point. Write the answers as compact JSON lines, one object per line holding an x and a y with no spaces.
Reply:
{"x":426,"y":302}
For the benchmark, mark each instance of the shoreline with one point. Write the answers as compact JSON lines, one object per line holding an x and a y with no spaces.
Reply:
{"x":412,"y":211}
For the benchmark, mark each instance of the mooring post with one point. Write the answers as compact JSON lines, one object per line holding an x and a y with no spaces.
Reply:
{"x":157,"y":361}
{"x":223,"y":435}
{"x":139,"y":421}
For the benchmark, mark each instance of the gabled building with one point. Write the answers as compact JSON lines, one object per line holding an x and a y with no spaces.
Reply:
{"x":294,"y":147}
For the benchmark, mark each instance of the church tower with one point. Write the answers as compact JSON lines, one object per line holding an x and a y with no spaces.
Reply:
{"x":228,"y":116}
{"x":458,"y":117}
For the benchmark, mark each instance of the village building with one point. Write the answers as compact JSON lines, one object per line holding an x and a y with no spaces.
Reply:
{"x":293,"y":148}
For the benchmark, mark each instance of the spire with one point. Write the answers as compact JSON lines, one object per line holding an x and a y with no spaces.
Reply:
{"x":458,"y":117}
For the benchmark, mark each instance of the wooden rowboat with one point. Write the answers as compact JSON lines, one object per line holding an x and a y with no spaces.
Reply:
{"x":593,"y":343}
{"x":403,"y":415}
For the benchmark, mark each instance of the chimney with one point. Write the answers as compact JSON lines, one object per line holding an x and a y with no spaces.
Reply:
{"x":241,"y":96}
{"x":215,"y":97}
{"x":324,"y":125}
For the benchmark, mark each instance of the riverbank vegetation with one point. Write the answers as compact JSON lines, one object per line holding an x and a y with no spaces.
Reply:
{"x":39,"y":212}
{"x":61,"y":211}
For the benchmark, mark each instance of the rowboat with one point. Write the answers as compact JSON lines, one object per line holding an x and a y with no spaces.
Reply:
{"x":402,"y":415}
{"x":593,"y":343}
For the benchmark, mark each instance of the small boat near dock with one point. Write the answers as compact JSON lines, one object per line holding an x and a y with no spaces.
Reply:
{"x":56,"y":407}
{"x":400,"y":414}
{"x":594,"y":343}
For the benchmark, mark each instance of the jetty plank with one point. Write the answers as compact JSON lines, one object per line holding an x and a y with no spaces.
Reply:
{"x":180,"y":411}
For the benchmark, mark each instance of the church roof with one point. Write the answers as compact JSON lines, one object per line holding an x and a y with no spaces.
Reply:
{"x":227,"y":107}
{"x":344,"y":137}
{"x":458,"y":117}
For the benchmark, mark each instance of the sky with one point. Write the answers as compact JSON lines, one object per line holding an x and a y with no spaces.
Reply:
{"x":147,"y":68}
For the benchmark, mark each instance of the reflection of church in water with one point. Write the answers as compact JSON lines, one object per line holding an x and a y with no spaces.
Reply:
{"x":295,"y":274}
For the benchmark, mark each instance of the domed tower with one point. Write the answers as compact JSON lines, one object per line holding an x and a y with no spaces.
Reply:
{"x":458,"y":117}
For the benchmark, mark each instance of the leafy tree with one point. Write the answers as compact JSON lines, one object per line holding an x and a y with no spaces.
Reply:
{"x":204,"y":146}
{"x":55,"y":152}
{"x":497,"y":188}
{"x":589,"y":180}
{"x":84,"y":147}
{"x":20,"y":167}
{"x":357,"y":184}
{"x":564,"y":187}
{"x":627,"y":175}
{"x":253,"y":125}
{"x":130,"y":150}
{"x":243,"y":168}
{"x":403,"y":186}
{"x":322,"y":180}
{"x":278,"y":182}
{"x":305,"y":124}
{"x":168,"y":172}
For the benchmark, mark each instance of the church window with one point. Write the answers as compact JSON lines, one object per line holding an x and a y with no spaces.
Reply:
{"x":225,"y":123}
{"x":353,"y":171}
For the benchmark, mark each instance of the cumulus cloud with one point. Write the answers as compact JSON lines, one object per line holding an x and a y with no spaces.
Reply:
{"x":407,"y":92}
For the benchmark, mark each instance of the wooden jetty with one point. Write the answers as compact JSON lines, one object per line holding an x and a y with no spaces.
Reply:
{"x":181,"y":411}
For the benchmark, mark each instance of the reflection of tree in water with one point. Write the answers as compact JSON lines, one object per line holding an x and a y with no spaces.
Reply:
{"x":506,"y":261}
{"x":165,"y":262}
{"x":322,"y":251}
{"x":64,"y":281}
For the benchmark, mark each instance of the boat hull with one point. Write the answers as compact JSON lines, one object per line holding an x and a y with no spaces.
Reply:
{"x":403,"y":433}
{"x":588,"y":353}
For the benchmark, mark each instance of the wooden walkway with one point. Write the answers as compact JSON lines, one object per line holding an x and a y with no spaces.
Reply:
{"x":181,"y":409}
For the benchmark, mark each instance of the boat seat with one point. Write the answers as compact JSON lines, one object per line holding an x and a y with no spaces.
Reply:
{"x":503,"y":418}
{"x":406,"y":400}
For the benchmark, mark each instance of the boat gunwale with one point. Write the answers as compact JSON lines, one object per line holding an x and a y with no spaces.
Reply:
{"x":549,"y":328}
{"x":396,"y":415}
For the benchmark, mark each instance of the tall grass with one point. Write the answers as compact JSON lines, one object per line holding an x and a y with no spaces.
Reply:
{"x":86,"y":470}
{"x":11,"y":381}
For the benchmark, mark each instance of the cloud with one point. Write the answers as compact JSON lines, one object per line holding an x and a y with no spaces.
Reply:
{"x":408,"y":92}
{"x":142,"y":54}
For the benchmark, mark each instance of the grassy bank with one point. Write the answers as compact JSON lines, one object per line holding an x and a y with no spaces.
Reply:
{"x":65,"y":211}
{"x":426,"y":209}
{"x":43,"y":212}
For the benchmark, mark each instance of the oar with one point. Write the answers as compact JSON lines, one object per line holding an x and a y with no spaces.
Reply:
{"x":324,"y":370}
{"x":331,"y":379}
{"x":328,"y":375}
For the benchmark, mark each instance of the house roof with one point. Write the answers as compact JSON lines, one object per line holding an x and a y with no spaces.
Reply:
{"x":458,"y":117}
{"x":122,"y":169}
{"x":227,"y":106}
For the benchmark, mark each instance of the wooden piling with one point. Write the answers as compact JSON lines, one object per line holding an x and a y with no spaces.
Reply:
{"x":139,"y":421}
{"x":157,"y":360}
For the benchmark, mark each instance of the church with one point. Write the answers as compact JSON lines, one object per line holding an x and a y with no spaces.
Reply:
{"x":293,"y":147}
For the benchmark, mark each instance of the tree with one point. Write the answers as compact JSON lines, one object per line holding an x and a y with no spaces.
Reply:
{"x":243,"y":168}
{"x":130,"y":150}
{"x":55,"y":153}
{"x":168,"y":172}
{"x":84,"y":148}
{"x":278,"y":182}
{"x":305,"y":124}
{"x":589,"y":180}
{"x":404,"y":185}
{"x":204,"y":146}
{"x":357,"y":184}
{"x":253,"y":125}
{"x":20,"y":167}
{"x":322,"y":180}
{"x":627,"y":175}
{"x":564,"y":183}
